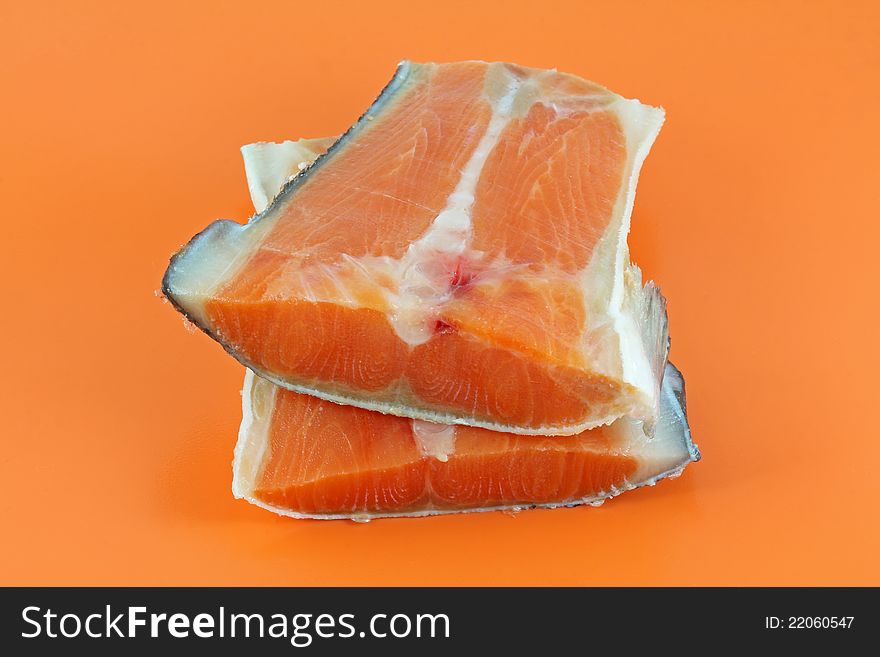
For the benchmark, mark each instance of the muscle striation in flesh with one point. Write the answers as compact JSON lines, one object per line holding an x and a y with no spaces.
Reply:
{"x":458,"y":256}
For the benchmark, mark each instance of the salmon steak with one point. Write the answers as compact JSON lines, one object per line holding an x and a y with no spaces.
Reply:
{"x":458,"y":256}
{"x":305,"y":457}
{"x":301,"y":456}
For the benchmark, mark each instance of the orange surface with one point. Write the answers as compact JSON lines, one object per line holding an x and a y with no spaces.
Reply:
{"x":757,"y":212}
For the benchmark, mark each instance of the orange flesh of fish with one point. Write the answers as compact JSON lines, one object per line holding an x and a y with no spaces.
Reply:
{"x":302,"y":456}
{"x":459,"y":256}
{"x":306,"y":457}
{"x":327,"y":458}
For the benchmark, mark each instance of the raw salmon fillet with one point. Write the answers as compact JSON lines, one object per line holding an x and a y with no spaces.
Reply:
{"x":301,"y":456}
{"x":305,"y":457}
{"x":458,"y":256}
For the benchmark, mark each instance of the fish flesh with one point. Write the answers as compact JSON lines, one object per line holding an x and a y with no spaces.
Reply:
{"x":458,"y":256}
{"x":302,"y":456}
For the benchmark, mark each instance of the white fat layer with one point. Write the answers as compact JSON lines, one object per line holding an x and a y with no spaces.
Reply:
{"x":251,"y":450}
{"x":641,"y":124}
{"x":423,"y":285}
{"x":437,"y":440}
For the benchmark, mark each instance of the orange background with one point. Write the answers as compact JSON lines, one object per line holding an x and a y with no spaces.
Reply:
{"x":757,"y":213}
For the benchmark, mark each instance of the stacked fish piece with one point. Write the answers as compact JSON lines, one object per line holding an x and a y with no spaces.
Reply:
{"x":437,"y":310}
